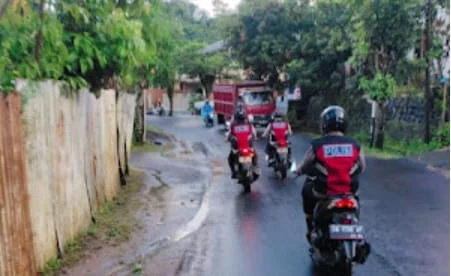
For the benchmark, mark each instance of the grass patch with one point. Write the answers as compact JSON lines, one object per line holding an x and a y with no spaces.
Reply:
{"x":398,"y":148}
{"x":137,"y":269}
{"x":52,"y":267}
{"x":115,"y":219}
{"x":383,"y":154}
{"x":150,"y":147}
{"x":310,"y":135}
{"x":114,"y":223}
{"x":155,"y":130}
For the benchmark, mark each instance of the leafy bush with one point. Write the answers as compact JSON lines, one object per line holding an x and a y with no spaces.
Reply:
{"x":85,"y":43}
{"x":442,"y":136}
{"x":381,"y":88}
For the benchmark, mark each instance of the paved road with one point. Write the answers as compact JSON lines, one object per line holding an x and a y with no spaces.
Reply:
{"x":405,"y":210}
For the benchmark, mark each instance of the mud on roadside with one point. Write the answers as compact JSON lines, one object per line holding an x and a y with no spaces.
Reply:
{"x":174,"y":183}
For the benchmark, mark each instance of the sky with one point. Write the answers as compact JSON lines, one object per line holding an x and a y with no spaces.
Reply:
{"x":208,"y":5}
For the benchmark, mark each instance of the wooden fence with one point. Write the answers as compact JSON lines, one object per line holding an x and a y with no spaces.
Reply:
{"x":73,"y":151}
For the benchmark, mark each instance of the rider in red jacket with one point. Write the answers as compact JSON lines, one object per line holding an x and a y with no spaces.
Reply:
{"x":278,"y":130}
{"x":331,"y":163}
{"x":241,"y":135}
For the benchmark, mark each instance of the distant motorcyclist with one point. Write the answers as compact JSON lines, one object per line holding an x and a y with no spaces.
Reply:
{"x":206,"y":110}
{"x":241,"y":135}
{"x":240,"y":108}
{"x":278,"y":130}
{"x":332,"y":163}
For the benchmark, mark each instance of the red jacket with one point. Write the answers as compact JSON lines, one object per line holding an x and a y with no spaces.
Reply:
{"x":243,"y":134}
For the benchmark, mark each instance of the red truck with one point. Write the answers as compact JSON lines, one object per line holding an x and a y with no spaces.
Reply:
{"x":257,"y":96}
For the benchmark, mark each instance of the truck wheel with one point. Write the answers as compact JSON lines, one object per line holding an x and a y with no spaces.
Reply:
{"x":221,"y":119}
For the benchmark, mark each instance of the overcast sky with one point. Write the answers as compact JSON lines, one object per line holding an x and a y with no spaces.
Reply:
{"x":208,"y":4}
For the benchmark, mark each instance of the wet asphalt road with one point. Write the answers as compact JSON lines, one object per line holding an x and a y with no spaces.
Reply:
{"x":405,"y":210}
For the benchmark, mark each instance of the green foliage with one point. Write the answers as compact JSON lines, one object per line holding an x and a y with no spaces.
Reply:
{"x":442,"y":136}
{"x":17,"y":42}
{"x":381,"y":88}
{"x":196,"y":25}
{"x":404,"y":147}
{"x":309,"y":43}
{"x":52,"y":267}
{"x":108,"y":45}
{"x":382,"y":32}
{"x":196,"y":64}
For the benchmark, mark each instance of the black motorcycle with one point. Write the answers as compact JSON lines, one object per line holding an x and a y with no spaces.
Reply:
{"x":337,"y":239}
{"x":244,"y":167}
{"x":280,"y":155}
{"x":281,"y":162}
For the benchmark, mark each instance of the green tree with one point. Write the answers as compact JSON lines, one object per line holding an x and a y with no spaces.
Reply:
{"x":380,"y":89}
{"x":382,"y":32}
{"x":262,"y":39}
{"x":196,"y":24}
{"x":203,"y":65}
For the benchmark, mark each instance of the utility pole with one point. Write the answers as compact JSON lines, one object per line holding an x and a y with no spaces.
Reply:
{"x":427,"y":83}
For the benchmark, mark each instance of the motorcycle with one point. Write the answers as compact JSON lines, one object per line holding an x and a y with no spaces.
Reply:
{"x":337,"y":240}
{"x":281,"y":163}
{"x":159,"y":110}
{"x":209,"y":120}
{"x":245,"y":168}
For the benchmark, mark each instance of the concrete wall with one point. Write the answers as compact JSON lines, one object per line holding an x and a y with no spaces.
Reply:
{"x":76,"y":147}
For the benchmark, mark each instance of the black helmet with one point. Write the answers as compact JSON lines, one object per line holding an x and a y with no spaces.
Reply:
{"x":239,"y":116}
{"x":333,"y":119}
{"x":276,"y":115}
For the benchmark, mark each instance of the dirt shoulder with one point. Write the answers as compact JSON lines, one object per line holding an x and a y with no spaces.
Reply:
{"x":437,"y":161}
{"x":166,"y":192}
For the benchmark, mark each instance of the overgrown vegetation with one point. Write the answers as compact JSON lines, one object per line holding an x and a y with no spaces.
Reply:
{"x":329,"y":47}
{"x":113,"y":224}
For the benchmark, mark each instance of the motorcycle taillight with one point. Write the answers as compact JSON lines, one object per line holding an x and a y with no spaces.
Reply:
{"x":346,"y":221}
{"x":345,"y":203}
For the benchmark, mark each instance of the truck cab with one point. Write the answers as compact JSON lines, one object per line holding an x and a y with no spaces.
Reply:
{"x":256,"y":96}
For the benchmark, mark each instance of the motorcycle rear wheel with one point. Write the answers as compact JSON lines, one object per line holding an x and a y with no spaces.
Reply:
{"x":247,"y":186}
{"x":283,"y":174}
{"x":347,"y":268}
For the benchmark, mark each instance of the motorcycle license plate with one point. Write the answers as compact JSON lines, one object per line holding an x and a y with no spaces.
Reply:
{"x":345,"y":232}
{"x":282,"y":150}
{"x":245,"y":159}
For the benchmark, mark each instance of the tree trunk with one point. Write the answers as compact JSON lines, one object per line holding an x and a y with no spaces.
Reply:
{"x":207,"y":82}
{"x":40,"y":36}
{"x":427,"y":86}
{"x":171,"y":99}
{"x":444,"y":104}
{"x":379,"y":126}
{"x":4,"y":8}
{"x":139,"y":124}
